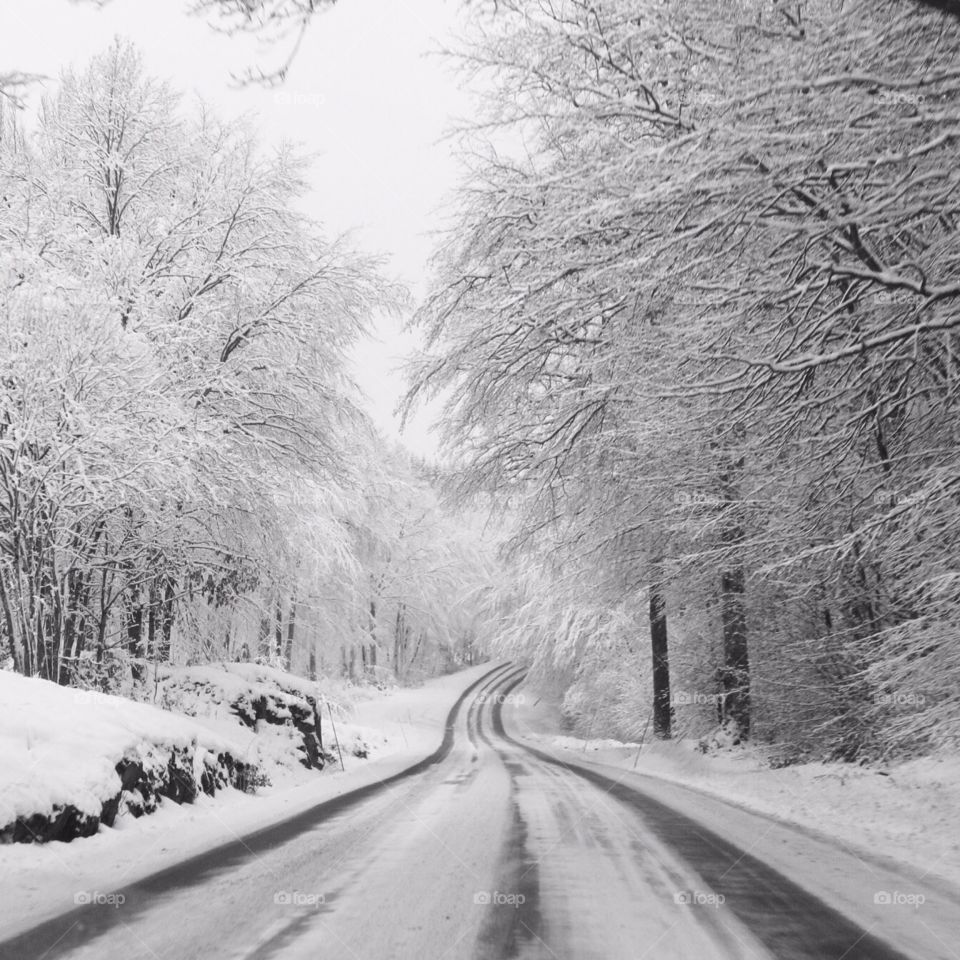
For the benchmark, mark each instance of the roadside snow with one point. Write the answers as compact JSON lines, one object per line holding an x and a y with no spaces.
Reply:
{"x":906,"y":812}
{"x":404,"y":725}
{"x":212,"y":693}
{"x":60,"y":746}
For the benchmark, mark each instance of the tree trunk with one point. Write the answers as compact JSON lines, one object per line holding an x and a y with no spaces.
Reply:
{"x":166,"y":622}
{"x":278,"y":628}
{"x":19,"y":660}
{"x":416,"y":651}
{"x":135,"y":633}
{"x":291,"y":630}
{"x":661,"y":663}
{"x":735,"y":675}
{"x":263,"y":636}
{"x":735,"y":672}
{"x":152,"y":621}
{"x":398,"y":629}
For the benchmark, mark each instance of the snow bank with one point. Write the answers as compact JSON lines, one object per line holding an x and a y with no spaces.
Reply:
{"x":402,"y":726}
{"x":283,"y":719}
{"x":71,"y":759}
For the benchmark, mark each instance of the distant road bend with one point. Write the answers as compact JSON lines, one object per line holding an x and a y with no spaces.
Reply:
{"x":489,"y":848}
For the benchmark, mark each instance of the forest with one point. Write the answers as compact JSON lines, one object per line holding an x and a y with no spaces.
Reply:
{"x":696,"y":334}
{"x":693,"y":330}
{"x":186,"y":467}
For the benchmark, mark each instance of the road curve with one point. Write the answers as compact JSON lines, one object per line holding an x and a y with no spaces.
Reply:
{"x":682,"y":890}
{"x":488,"y":849}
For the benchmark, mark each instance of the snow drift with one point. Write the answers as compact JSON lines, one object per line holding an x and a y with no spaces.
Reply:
{"x":72,"y":760}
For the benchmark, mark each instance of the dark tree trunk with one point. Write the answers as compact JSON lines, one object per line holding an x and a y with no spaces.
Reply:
{"x":134,"y":623}
{"x":950,"y":7}
{"x":398,"y":628}
{"x":135,"y":633}
{"x":278,"y":628}
{"x":735,"y":670}
{"x":166,"y":622}
{"x":152,"y":620}
{"x":291,"y":630}
{"x":103,"y":617}
{"x":661,"y":663}
{"x":20,"y":657}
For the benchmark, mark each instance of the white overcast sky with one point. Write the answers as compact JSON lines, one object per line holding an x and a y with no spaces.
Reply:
{"x":364,"y":94}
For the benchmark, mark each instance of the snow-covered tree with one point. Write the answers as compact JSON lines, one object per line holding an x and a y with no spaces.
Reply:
{"x":175,"y":357}
{"x":697,"y":319}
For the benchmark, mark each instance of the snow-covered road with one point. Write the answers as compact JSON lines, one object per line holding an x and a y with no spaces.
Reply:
{"x":490,"y":848}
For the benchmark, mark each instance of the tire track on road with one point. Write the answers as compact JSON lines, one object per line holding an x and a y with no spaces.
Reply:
{"x":792,"y":923}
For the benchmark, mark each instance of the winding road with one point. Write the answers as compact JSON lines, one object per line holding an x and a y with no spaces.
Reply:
{"x":490,"y":848}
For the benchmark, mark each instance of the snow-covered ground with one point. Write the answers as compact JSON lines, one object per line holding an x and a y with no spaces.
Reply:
{"x":212,"y":694}
{"x":60,"y":746}
{"x":46,"y":753}
{"x":906,"y":813}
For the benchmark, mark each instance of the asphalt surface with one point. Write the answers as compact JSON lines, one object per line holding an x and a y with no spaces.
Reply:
{"x":487,"y":849}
